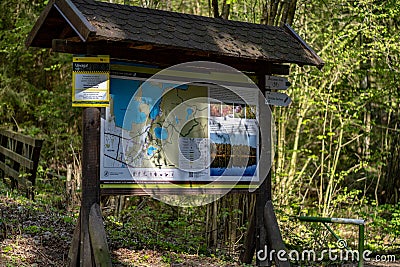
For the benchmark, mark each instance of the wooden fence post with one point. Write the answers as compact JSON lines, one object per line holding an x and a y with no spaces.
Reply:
{"x":16,"y":165}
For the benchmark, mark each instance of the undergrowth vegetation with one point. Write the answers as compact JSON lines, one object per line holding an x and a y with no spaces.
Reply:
{"x":145,"y":224}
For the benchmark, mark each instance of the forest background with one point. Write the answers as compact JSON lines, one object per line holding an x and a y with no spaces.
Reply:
{"x":337,"y":146}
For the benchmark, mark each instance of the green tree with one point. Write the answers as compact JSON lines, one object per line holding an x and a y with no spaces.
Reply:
{"x":343,"y":123}
{"x":35,"y":94}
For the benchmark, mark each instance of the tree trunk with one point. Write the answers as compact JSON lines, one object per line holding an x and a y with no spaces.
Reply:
{"x":226,"y":8}
{"x":215,"y":8}
{"x":278,"y":13}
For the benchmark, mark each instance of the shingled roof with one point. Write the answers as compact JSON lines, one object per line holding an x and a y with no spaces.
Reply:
{"x":122,"y":31}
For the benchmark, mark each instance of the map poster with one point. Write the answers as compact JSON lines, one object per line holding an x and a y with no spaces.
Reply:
{"x":90,"y":81}
{"x":165,"y":135}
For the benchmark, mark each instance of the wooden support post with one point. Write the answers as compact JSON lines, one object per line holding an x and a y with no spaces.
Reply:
{"x":274,"y":235}
{"x":261,"y":232}
{"x":73,"y":254}
{"x":249,"y":243}
{"x":256,"y":238}
{"x":270,"y":236}
{"x":263,"y":194}
{"x":90,"y":179}
{"x":98,"y":238}
{"x":89,"y":246}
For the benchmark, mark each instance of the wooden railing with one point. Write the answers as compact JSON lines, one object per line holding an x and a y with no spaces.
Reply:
{"x":19,"y":159}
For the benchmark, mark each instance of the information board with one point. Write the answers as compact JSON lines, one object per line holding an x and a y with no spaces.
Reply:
{"x":90,"y":81}
{"x":164,"y":134}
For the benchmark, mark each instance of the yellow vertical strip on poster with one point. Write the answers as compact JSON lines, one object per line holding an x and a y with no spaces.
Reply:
{"x":91,"y":81}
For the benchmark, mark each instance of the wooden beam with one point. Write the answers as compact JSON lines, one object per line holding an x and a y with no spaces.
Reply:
{"x":279,"y":69}
{"x":16,"y":157}
{"x":162,"y":56}
{"x":75,"y":18}
{"x":22,"y":138}
{"x":168,"y":191}
{"x":39,"y":23}
{"x":9,"y":171}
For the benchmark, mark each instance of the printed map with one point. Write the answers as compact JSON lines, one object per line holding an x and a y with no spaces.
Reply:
{"x":170,"y":131}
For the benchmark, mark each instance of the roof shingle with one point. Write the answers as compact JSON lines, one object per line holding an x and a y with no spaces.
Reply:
{"x":180,"y":32}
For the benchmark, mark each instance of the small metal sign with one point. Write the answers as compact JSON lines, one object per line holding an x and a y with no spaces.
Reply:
{"x":276,"y":83}
{"x":277,"y":99}
{"x":91,"y":81}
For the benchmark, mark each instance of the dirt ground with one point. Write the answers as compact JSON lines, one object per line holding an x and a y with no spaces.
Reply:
{"x":36,"y":235}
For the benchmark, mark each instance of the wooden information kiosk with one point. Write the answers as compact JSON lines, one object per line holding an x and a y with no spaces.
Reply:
{"x":152,"y":39}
